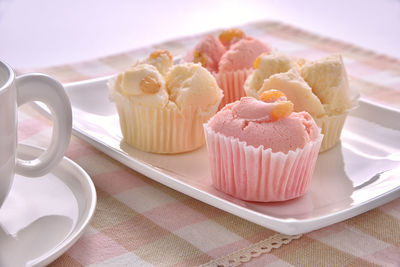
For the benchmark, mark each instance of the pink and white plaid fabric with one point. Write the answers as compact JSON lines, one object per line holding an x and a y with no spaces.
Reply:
{"x":139,"y":222}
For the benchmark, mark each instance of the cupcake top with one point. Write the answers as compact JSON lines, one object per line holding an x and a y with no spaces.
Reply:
{"x":231,"y":51}
{"x":319,"y":87}
{"x":190,"y":84}
{"x":264,"y":66}
{"x":156,"y":82}
{"x":143,"y":84}
{"x":328,"y":79}
{"x":162,"y":60}
{"x":269,"y":122}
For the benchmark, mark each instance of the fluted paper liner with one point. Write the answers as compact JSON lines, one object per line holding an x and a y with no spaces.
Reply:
{"x":161,"y":130}
{"x":258,"y":174}
{"x":331,"y":128}
{"x":232,"y":83}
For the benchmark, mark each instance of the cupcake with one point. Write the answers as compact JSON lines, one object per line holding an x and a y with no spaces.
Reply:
{"x":319,"y":87}
{"x":229,"y":58}
{"x":261,"y":150}
{"x":162,"y":107}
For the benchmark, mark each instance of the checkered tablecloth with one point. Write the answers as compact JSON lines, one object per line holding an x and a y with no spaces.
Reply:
{"x":139,"y":222}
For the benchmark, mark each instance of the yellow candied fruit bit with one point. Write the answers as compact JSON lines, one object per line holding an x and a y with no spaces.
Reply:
{"x":300,"y":62}
{"x":158,"y":53}
{"x":149,"y":85}
{"x":227,"y":36}
{"x":282,"y":110}
{"x":198,"y":57}
{"x":271,"y":95}
{"x":257,"y":62}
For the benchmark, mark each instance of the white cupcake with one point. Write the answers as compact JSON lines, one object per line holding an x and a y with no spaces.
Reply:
{"x":162,"y":107}
{"x":319,"y":87}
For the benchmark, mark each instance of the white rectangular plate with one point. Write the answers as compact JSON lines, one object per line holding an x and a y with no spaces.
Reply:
{"x":361,"y":173}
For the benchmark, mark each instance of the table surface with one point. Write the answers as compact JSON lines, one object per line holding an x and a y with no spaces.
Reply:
{"x":42,"y":34}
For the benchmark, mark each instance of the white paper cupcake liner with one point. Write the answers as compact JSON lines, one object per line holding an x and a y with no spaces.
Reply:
{"x":231,"y":84}
{"x":161,"y":130}
{"x":331,"y":128}
{"x":258,"y":174}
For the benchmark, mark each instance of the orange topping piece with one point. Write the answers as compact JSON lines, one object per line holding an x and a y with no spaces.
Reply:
{"x":227,"y":36}
{"x":158,"y":53}
{"x":272,"y":96}
{"x":282,"y":110}
{"x":300,"y":62}
{"x":198,"y":57}
{"x":258,"y":60}
{"x":149,"y":85}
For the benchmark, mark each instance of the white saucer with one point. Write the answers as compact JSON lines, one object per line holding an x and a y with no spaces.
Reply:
{"x":42,"y":217}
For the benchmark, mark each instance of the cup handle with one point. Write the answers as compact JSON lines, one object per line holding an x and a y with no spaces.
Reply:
{"x":43,"y":88}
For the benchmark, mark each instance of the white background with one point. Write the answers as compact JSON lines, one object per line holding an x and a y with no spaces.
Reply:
{"x":39,"y":33}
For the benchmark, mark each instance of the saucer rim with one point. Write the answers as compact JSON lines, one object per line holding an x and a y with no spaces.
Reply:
{"x":90,"y":196}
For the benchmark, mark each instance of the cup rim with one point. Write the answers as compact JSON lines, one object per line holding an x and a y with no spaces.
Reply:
{"x":10,"y":79}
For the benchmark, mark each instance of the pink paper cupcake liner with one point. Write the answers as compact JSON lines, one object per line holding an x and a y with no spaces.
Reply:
{"x":231,"y":84}
{"x":258,"y":174}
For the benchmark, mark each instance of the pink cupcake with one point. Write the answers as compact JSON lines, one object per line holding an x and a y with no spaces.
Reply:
{"x":229,"y":58}
{"x":261,"y":150}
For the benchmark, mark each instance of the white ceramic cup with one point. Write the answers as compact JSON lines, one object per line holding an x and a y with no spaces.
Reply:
{"x":15,"y":91}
